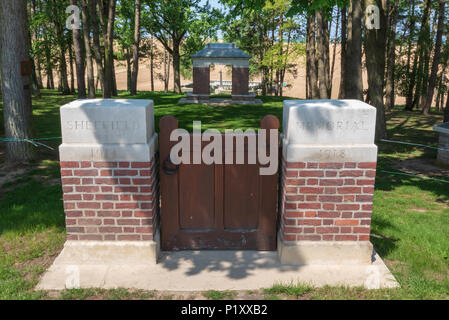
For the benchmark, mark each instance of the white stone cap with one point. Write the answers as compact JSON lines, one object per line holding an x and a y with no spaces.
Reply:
{"x":123,"y":121}
{"x":108,"y":152}
{"x":328,"y":122}
{"x":442,"y":128}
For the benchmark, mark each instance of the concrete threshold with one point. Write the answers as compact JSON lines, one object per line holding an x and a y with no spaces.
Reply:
{"x":213,"y":270}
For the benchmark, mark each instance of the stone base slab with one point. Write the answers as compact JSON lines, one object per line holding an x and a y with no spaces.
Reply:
{"x":109,"y":252}
{"x":196,"y":98}
{"x":221,"y":101}
{"x":215,"y":270}
{"x":244,"y":97}
{"x":325,"y":253}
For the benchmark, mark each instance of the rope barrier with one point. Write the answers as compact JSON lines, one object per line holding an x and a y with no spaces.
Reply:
{"x":34,"y":142}
{"x":414,"y":144}
{"x":414,"y":175}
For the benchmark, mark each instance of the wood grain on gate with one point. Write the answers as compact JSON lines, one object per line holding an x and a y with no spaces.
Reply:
{"x":217,"y":206}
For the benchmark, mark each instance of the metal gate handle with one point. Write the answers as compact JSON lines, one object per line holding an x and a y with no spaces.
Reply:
{"x":169,"y":168}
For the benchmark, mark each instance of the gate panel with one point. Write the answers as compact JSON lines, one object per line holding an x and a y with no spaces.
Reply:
{"x":196,"y":197}
{"x":216,"y":206}
{"x":241,"y":197}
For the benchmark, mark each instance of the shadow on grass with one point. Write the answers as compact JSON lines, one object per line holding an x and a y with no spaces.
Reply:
{"x":387,"y":181}
{"x":383,"y":245}
{"x":33,"y":202}
{"x":31,"y":207}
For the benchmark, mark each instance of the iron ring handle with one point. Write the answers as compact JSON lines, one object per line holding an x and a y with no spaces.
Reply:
{"x":166,"y":167}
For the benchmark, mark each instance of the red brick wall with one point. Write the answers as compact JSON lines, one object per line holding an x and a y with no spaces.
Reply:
{"x":110,"y":200}
{"x":326,"y":201}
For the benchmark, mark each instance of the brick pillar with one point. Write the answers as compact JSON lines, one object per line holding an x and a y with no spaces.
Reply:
{"x":110,"y":180}
{"x":201,"y":80}
{"x":240,"y":81}
{"x":327,"y":185}
{"x":110,"y":200}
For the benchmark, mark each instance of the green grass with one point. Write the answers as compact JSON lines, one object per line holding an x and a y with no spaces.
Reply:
{"x":410,"y":225}
{"x":219,"y":295}
{"x":112,"y":294}
{"x":294,"y":290}
{"x":31,"y":231}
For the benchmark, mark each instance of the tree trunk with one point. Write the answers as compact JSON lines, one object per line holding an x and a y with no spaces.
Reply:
{"x":323,"y":58}
{"x":114,"y":80}
{"x":375,"y":42}
{"x":437,"y":101}
{"x":109,"y":52}
{"x":176,"y":67}
{"x":166,"y":64}
{"x":128,"y":72}
{"x":441,"y":89}
{"x":87,"y":47}
{"x":389,"y":87}
{"x":409,"y":96}
{"x":79,"y":61}
{"x":36,"y":91}
{"x":334,"y":52}
{"x":96,"y":43}
{"x":327,"y":70}
{"x":310,"y":59}
{"x":427,"y":50}
{"x":421,"y":54}
{"x":436,"y":58}
{"x":284,"y":64}
{"x":281,"y":51}
{"x":64,"y":84}
{"x":39,"y":73}
{"x":17,"y":108}
{"x":441,"y":105}
{"x":353,"y":60}
{"x":152,"y":66}
{"x":48,"y":63}
{"x":136,"y":49}
{"x":343,"y":52}
{"x":167,"y":79}
{"x":412,"y":82}
{"x":446,"y":109}
{"x":72,"y":72}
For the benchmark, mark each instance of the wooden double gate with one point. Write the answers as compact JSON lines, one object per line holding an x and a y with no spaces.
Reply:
{"x":216,"y":206}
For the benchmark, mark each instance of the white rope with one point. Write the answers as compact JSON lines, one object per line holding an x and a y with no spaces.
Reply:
{"x":414,"y":144}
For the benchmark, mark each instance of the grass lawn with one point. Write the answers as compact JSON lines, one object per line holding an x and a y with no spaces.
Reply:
{"x":410,"y":226}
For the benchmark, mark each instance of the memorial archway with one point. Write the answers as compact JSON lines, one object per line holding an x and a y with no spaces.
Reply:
{"x":220,"y":54}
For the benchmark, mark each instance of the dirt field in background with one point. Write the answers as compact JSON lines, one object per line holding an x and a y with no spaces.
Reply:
{"x":295,"y":79}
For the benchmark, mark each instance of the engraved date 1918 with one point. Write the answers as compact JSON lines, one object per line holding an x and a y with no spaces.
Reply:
{"x":332,"y":154}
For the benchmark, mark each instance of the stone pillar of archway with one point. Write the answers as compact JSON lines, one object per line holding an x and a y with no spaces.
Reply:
{"x":240,"y":81}
{"x":201,"y":82}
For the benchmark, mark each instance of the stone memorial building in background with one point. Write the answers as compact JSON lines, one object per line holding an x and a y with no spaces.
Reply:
{"x":221,"y":54}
